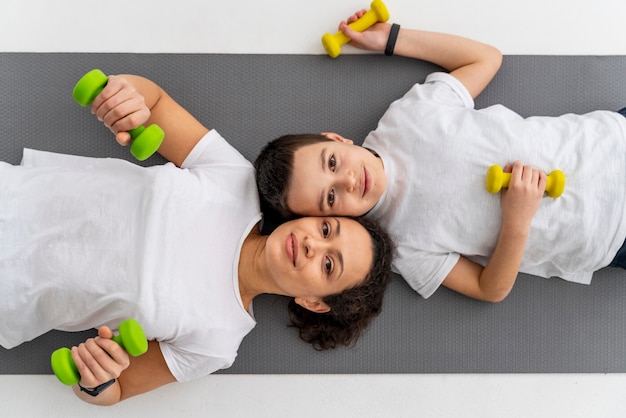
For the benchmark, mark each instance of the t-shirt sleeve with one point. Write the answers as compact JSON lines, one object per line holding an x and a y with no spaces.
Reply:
{"x":423,"y":271}
{"x":442,"y":88}
{"x":186,"y":366}
{"x":214,"y":149}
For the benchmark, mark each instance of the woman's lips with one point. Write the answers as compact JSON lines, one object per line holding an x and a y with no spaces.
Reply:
{"x":292,"y":248}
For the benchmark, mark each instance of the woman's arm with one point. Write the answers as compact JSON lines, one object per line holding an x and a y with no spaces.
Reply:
{"x":101,"y":359}
{"x":471,"y":62}
{"x":128,"y":101}
{"x":519,"y":204}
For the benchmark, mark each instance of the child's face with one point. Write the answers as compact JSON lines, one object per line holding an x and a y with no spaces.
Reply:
{"x":335,"y":178}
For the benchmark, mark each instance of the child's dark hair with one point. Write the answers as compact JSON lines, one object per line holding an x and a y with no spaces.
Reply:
{"x":274,"y":168}
{"x":352,"y":310}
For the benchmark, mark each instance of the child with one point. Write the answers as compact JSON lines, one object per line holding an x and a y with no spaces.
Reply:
{"x":89,"y":242}
{"x":421,"y":172}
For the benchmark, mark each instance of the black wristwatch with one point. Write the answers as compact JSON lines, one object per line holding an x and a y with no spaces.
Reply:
{"x":98,"y":389}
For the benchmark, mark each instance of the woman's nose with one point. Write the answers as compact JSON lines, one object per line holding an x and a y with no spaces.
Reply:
{"x":312,"y":245}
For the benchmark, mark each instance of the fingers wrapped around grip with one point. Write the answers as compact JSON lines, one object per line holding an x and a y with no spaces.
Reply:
{"x":497,"y":179}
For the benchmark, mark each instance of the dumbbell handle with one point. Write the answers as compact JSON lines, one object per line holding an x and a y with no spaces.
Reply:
{"x":498,"y":179}
{"x":85,"y":98}
{"x":377,"y":13}
{"x":89,"y":87}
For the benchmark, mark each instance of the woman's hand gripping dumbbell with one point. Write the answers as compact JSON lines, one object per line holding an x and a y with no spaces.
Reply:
{"x":131,"y":338}
{"x":145,"y":141}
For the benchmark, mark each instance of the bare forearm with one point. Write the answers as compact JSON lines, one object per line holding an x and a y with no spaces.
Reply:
{"x":145,"y":373}
{"x":446,"y":50}
{"x":472,"y":62}
{"x":182,"y":130}
{"x":499,"y":275}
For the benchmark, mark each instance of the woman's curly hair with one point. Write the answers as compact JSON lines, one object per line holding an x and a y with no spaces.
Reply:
{"x":352,"y":310}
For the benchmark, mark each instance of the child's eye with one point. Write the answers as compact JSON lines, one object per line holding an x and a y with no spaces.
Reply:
{"x":325,"y":229}
{"x":328,"y":265}
{"x":332,"y":163}
{"x":331,"y":198}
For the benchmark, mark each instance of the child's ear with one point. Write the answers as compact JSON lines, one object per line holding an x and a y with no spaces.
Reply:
{"x":336,"y":137}
{"x":313,"y":304}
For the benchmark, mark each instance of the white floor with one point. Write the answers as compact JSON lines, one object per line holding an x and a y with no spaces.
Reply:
{"x":358,"y":396}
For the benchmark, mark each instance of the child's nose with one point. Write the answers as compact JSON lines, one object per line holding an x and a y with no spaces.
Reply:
{"x":349,"y":181}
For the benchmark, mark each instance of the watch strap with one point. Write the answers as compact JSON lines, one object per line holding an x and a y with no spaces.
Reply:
{"x":98,"y":389}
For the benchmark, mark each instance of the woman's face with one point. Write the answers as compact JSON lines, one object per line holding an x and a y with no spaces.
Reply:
{"x":311,"y":258}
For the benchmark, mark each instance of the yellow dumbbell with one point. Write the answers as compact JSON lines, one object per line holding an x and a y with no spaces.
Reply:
{"x":498,"y":179}
{"x":377,"y":13}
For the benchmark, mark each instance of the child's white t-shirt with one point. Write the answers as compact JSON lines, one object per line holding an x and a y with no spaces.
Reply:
{"x":436,"y":149}
{"x":86,"y":242}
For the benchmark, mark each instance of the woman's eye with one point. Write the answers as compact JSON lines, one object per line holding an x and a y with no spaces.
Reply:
{"x":328,"y":265}
{"x":332,"y":163}
{"x":325,"y":229}
{"x":331,"y":198}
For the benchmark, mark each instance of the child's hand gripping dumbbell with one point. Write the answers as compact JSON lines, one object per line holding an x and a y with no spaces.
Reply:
{"x":377,"y":13}
{"x":131,"y":338}
{"x":497,"y":179}
{"x":146,"y":141}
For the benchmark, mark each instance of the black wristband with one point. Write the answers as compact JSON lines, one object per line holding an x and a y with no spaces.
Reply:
{"x":391,"y":41}
{"x":98,"y":389}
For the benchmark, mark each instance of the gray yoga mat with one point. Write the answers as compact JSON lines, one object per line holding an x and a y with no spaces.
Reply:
{"x":543,"y":326}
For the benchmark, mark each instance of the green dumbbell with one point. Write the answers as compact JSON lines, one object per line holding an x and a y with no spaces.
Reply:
{"x":497,"y":179}
{"x":146,"y":141}
{"x":131,"y":338}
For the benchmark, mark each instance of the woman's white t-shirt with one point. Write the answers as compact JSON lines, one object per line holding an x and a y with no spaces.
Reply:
{"x":86,"y":242}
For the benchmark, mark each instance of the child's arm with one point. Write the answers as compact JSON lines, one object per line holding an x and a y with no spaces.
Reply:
{"x":101,"y":359}
{"x":471,"y":62}
{"x":128,"y":101}
{"x":519,"y":205}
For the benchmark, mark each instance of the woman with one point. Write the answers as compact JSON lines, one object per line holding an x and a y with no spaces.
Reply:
{"x":89,"y":242}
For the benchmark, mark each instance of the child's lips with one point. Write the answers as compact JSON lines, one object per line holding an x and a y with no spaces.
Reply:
{"x":367,"y":182}
{"x":292,"y":248}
